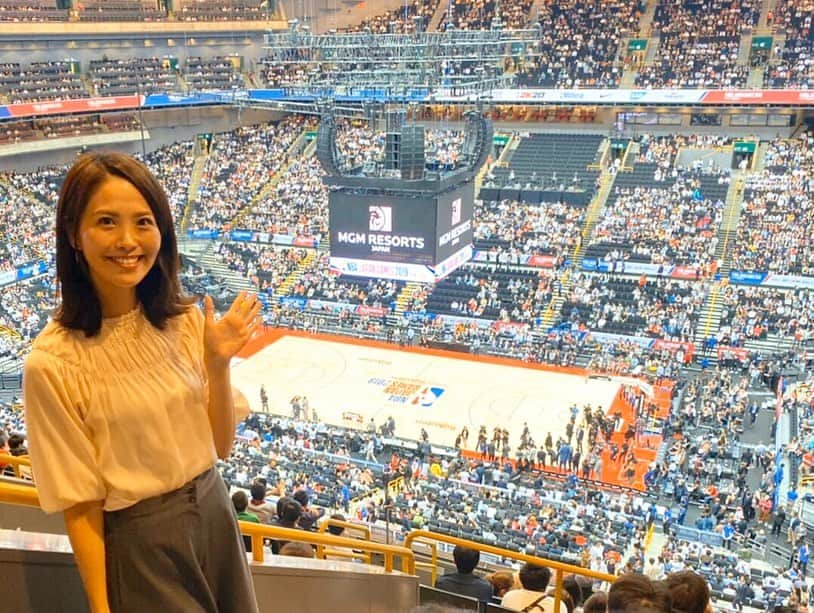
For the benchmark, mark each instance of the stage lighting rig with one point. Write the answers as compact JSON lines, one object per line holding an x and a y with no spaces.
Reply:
{"x":459,"y":61}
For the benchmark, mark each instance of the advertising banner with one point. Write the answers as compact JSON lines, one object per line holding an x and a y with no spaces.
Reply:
{"x":685,"y":272}
{"x":673,"y":346}
{"x":305,"y":241}
{"x":742,"y":277}
{"x":241,"y":235}
{"x":282,"y":239}
{"x":203,"y":233}
{"x":790,"y":281}
{"x":542,"y":261}
{"x":454,"y":218}
{"x":512,"y":327}
{"x":387,"y":228}
{"x":371,"y":311}
{"x":85,"y":105}
{"x":31,"y":270}
{"x":609,"y":339}
{"x":7,"y":277}
{"x":384,"y":270}
{"x":453,"y":262}
{"x":294,"y":302}
{"x":792,"y":97}
{"x":727,"y":352}
{"x":155,"y":100}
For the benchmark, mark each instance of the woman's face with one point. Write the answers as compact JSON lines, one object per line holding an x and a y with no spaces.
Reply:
{"x":120,"y":241}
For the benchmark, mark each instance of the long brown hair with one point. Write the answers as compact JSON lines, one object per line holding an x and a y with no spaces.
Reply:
{"x":159,"y":293}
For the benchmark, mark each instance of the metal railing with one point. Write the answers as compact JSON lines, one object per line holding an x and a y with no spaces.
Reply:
{"x":340,"y":546}
{"x":20,"y":464}
{"x":323,"y":552}
{"x":26,"y":495}
{"x":258,"y":532}
{"x":559,"y":568}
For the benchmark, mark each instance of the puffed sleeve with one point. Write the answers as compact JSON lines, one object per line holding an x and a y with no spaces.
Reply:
{"x":61,"y":448}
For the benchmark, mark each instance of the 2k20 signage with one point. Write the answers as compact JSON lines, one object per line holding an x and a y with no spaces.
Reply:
{"x":386,"y":228}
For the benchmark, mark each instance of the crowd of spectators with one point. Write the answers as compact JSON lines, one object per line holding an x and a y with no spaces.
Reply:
{"x":695,"y":64}
{"x":172,"y":165}
{"x":240,"y":165}
{"x":218,"y":73}
{"x":705,"y":18}
{"x":757,"y":312}
{"x":38,"y":81}
{"x":663,"y":150}
{"x":120,"y":122}
{"x":580,"y":43}
{"x":297,"y":205}
{"x":119,"y":10}
{"x":501,"y":295}
{"x":218,"y":10}
{"x":31,"y":10}
{"x":552,"y":228}
{"x":628,"y":357}
{"x":265,"y":266}
{"x":322,"y":284}
{"x":26,"y":306}
{"x":699,"y":44}
{"x":358,"y":146}
{"x":27,"y":205}
{"x":662,"y":308}
{"x":401,"y":20}
{"x":114,"y":77}
{"x":479,"y":14}
{"x":15,"y":132}
{"x":792,"y":69}
{"x":794,"y":17}
{"x":673,"y":224}
{"x":778,"y":212}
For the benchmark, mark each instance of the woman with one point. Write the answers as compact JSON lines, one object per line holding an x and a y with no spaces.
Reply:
{"x":129,"y":404}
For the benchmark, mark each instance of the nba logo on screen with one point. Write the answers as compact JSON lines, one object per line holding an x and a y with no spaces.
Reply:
{"x":427,"y":396}
{"x":456,"y":211}
{"x":381,"y":219}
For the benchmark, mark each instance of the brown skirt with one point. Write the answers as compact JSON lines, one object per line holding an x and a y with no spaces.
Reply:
{"x":179,"y":552}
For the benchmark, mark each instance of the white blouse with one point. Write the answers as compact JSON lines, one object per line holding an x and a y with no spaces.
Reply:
{"x":118,"y":417}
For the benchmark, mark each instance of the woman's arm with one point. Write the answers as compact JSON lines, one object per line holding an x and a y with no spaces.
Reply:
{"x":85,"y":527}
{"x":223,"y":338}
{"x":221,"y":410}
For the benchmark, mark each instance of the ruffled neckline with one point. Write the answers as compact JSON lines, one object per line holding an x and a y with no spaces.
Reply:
{"x":127,"y":320}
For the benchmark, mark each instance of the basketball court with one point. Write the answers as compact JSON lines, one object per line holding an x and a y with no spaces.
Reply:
{"x":348,"y":382}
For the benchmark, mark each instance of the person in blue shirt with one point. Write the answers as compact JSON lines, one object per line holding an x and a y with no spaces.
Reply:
{"x":728,"y":532}
{"x":803,"y":554}
{"x":682,"y":514}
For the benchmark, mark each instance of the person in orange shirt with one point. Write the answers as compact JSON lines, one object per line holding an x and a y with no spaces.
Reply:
{"x":765,"y":507}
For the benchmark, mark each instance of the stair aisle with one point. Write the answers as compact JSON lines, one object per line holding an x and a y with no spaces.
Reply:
{"x":437,"y":16}
{"x":646,"y":22}
{"x":405,"y":296}
{"x":710,"y":315}
{"x":211,"y":261}
{"x":292,"y":155}
{"x":291,"y":280}
{"x":194,"y":183}
{"x":592,"y":215}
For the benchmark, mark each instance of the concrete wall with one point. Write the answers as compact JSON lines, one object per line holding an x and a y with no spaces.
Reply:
{"x":182,"y":46}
